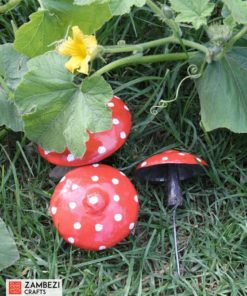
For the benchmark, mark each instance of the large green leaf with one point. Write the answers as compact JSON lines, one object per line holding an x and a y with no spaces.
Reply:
{"x":51,"y":24}
{"x":56,"y":112}
{"x":88,"y":2}
{"x":238,"y":9}
{"x":8,"y":251}
{"x":222,"y":91}
{"x":12,"y":65}
{"x":12,"y":68}
{"x":37,"y":36}
{"x":117,"y":7}
{"x":89,"y":18}
{"x":192,"y":11}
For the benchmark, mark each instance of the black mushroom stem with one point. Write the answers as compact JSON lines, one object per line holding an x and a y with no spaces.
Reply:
{"x":174,"y":193}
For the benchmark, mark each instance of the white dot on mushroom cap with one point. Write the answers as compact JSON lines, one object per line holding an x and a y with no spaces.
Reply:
{"x":118,"y":217}
{"x":77,"y":225}
{"x":182,"y":154}
{"x":198,"y":159}
{"x":72,"y":205}
{"x":53,"y":210}
{"x":123,"y":174}
{"x":93,"y":200}
{"x":110,"y":104}
{"x":116,"y":198}
{"x":95,"y":178}
{"x":165,"y":158}
{"x":102,"y":248}
{"x":136,"y":198}
{"x":98,"y":227}
{"x":101,"y":149}
{"x":143,"y":164}
{"x":70,"y":157}
{"x":74,"y":187}
{"x":95,"y":165}
{"x":71,"y":240}
{"x":46,"y":152}
{"x":123,"y":135}
{"x":131,"y":226}
{"x":126,"y":108}
{"x":115,"y":121}
{"x":63,"y":179}
{"x":115,"y":181}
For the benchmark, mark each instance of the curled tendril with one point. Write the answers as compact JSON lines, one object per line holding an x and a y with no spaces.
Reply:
{"x":193,"y":73}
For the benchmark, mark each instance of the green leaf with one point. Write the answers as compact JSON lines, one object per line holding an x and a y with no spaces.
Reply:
{"x":117,"y":7}
{"x":12,"y":68}
{"x":8,"y":251}
{"x":9,"y":115}
{"x":238,"y":9}
{"x":227,"y":17}
{"x":12,"y":65}
{"x":222,"y":91}
{"x":82,"y":16}
{"x":56,"y":112}
{"x":192,"y":11}
{"x":88,"y":2}
{"x":37,"y":36}
{"x":50,"y":25}
{"x":230,"y":22}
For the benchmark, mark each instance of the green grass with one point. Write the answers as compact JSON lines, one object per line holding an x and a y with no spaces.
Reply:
{"x":212,"y":225}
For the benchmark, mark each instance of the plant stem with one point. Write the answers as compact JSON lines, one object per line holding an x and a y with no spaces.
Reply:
{"x":144,"y":60}
{"x":193,"y":44}
{"x":232,"y":41}
{"x":136,"y":47}
{"x":236,"y":37}
{"x":170,"y":22}
{"x":150,"y":44}
{"x":9,"y":6}
{"x":154,"y":7}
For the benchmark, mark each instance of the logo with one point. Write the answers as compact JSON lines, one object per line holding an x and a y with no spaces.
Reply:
{"x":15,"y":288}
{"x":34,"y":287}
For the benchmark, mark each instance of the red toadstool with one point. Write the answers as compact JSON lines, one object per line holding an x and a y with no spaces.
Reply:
{"x":94,"y":207}
{"x":100,"y":145}
{"x":170,"y":166}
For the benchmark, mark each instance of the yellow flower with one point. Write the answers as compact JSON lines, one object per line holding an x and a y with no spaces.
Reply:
{"x":81,"y":48}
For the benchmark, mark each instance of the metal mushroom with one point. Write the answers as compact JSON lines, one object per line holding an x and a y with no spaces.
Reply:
{"x":171,"y":166}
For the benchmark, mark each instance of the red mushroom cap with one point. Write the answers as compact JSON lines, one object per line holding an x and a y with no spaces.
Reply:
{"x":154,"y":167}
{"x":172,"y":156}
{"x":94,"y":207}
{"x":100,"y":145}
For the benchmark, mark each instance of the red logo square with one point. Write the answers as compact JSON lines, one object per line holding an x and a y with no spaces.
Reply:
{"x":15,"y":288}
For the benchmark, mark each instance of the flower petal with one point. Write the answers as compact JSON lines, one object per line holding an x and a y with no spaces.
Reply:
{"x":90,"y":43}
{"x":84,"y":66}
{"x":72,"y":48}
{"x":77,"y":34}
{"x":74,"y":63}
